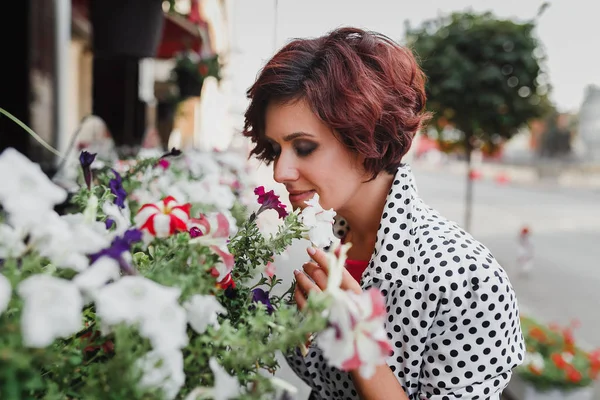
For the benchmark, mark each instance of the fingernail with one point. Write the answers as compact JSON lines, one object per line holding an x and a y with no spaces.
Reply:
{"x":311,"y":251}
{"x":297,"y":271}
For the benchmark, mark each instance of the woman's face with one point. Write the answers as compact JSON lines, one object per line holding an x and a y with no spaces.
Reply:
{"x":309,"y":159}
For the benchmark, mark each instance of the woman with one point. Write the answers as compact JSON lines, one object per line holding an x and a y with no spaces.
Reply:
{"x":336,"y":115}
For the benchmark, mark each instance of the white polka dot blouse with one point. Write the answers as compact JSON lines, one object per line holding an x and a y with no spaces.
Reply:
{"x":452,"y":314}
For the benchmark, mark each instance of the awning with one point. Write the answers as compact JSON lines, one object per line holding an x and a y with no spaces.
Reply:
{"x":179,"y":34}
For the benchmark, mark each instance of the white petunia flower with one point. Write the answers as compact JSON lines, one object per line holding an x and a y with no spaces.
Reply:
{"x":24,"y":188}
{"x":201,"y":163}
{"x":11,"y":241}
{"x":131,"y":299}
{"x":162,"y":370}
{"x":166,"y":327}
{"x":5,"y":293}
{"x":52,"y":309}
{"x":208,"y":191}
{"x":202,"y":311}
{"x":535,"y":361}
{"x":226,"y":386}
{"x":319,"y":223}
{"x":568,"y":357}
{"x":67,"y":240}
{"x":121,"y":217}
{"x":138,"y":300}
{"x":104,"y":270}
{"x":231,"y":160}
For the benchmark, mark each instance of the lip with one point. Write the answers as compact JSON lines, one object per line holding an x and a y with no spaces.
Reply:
{"x":297,"y":196}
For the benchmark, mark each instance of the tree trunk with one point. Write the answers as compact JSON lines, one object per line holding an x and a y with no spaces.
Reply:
{"x":469,"y":191}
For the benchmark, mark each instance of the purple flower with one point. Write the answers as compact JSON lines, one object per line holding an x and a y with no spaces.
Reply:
{"x":86,"y":159}
{"x":231,"y":292}
{"x":269,"y":201}
{"x":261,"y":296}
{"x":195,"y":232}
{"x":109,"y":223}
{"x":120,"y":245}
{"x":116,"y":187}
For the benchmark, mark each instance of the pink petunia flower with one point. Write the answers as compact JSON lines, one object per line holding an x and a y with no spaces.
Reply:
{"x":213,"y":231}
{"x":163,"y":163}
{"x":355,"y":337}
{"x":269,"y":201}
{"x":270,"y":270}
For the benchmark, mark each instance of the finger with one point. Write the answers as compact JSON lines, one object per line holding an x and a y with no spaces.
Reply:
{"x":317,"y":274}
{"x":304,"y":283}
{"x":300,"y":298}
{"x":349,"y":283}
{"x":319,"y":257}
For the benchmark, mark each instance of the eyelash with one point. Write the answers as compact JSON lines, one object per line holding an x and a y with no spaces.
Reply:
{"x":301,"y":151}
{"x":305,"y":151}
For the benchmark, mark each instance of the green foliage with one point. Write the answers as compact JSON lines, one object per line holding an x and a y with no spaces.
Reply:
{"x":199,"y":69}
{"x":252,"y":250}
{"x":482,"y":73}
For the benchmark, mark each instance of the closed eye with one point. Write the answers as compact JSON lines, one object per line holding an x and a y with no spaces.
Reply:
{"x":304,"y":148}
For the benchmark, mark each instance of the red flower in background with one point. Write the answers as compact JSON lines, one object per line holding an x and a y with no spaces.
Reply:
{"x":569,"y":340}
{"x":559,"y":361}
{"x":538,"y":334}
{"x":534,"y":370}
{"x":594,"y":358}
{"x":203,"y":69}
{"x":108,"y":346}
{"x":572,"y":374}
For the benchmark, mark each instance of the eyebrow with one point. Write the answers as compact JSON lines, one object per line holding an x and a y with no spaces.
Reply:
{"x":295,"y":135}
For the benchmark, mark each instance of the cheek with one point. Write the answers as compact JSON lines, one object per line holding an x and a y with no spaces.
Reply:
{"x":339,"y":189}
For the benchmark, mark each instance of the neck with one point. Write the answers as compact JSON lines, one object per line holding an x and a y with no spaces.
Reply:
{"x":363,"y":212}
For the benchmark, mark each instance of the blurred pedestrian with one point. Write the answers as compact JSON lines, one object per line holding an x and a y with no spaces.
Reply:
{"x":525,"y":254}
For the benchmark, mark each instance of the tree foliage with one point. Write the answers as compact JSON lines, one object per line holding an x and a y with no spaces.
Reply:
{"x":484,"y":74}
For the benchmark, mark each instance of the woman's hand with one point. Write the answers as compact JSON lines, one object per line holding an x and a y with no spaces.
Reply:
{"x":318,"y":271}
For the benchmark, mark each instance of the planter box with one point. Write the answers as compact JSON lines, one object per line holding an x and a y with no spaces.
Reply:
{"x":131,"y":28}
{"x":519,"y":389}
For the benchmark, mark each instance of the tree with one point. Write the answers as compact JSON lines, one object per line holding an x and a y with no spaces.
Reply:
{"x":484,"y":78}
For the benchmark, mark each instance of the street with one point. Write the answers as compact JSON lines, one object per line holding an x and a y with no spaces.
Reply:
{"x":565,"y":228}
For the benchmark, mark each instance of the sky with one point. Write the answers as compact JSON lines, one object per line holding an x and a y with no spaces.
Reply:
{"x":566,"y":31}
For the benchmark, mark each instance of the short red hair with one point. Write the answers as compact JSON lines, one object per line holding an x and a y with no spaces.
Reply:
{"x":362,"y":84}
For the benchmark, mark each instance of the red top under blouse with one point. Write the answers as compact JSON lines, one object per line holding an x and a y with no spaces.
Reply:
{"x":355,"y":267}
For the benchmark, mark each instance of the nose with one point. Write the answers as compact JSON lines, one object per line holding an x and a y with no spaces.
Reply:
{"x":285,"y":169}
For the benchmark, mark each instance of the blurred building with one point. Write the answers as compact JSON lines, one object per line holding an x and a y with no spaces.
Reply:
{"x":61,"y":71}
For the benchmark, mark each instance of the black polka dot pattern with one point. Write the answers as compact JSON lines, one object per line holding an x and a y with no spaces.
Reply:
{"x":452,"y":314}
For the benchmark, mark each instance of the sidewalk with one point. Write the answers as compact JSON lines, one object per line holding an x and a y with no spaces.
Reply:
{"x":575,"y":176}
